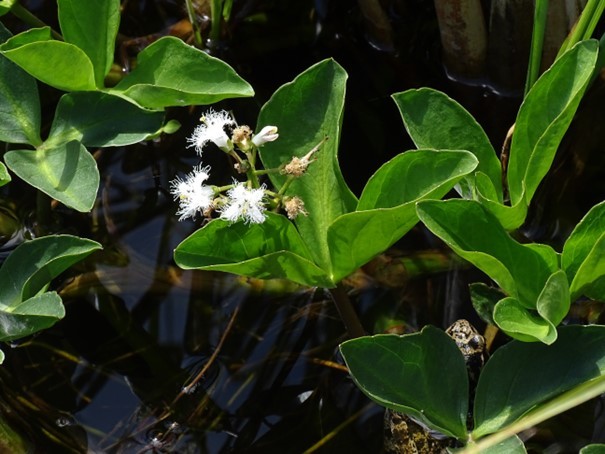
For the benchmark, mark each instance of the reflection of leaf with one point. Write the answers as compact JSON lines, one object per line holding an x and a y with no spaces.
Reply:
{"x":307,"y":111}
{"x":32,"y":50}
{"x":521,"y":376}
{"x":172,"y":73}
{"x":272,"y":249}
{"x":99,"y":119}
{"x":387,"y":210}
{"x":67,"y":173}
{"x":406,"y":374}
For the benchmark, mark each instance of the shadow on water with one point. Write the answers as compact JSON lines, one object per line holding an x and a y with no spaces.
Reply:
{"x":151,"y":358}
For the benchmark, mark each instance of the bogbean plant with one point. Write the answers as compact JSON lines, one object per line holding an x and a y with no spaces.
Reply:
{"x":90,"y":115}
{"x":334,"y":233}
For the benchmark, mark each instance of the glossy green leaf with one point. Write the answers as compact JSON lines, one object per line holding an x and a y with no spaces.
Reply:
{"x":101,"y":120}
{"x":544,"y":117}
{"x":307,"y":111}
{"x":510,"y":217}
{"x":595,"y":448}
{"x":583,"y":257}
{"x":5,"y":7}
{"x":272,"y":249}
{"x":32,"y":50}
{"x":37,"y":313}
{"x":19,"y":102}
{"x":434,"y":120}
{"x":386,"y":209}
{"x":4,"y":175}
{"x":67,"y":173}
{"x":563,"y":402}
{"x":35,"y":263}
{"x":406,"y":374}
{"x":552,"y":306}
{"x":172,"y":73}
{"x":521,"y":376}
{"x":523,"y":324}
{"x":475,"y":234}
{"x":93,"y":27}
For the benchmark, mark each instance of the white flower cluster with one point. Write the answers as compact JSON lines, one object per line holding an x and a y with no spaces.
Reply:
{"x":246,"y":204}
{"x":242,"y":201}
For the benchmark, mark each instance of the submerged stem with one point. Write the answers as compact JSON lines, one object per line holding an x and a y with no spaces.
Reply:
{"x":347,"y":312}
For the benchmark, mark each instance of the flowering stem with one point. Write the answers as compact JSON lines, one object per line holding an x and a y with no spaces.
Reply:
{"x":252,"y":173}
{"x":266,"y":172}
{"x":285,"y":186}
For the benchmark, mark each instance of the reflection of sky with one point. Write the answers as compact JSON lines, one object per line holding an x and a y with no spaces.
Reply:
{"x":114,"y":403}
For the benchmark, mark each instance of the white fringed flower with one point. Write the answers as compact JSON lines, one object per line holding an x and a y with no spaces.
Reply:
{"x":246,"y":204}
{"x":192,"y":194}
{"x":267,"y":134}
{"x":212,"y":129}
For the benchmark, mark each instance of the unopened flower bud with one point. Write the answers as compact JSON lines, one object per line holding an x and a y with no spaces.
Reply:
{"x":294,"y":206}
{"x":267,"y":134}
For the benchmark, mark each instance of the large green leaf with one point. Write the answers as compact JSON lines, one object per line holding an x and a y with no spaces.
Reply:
{"x":434,"y":120}
{"x":67,"y":173}
{"x":552,"y":306}
{"x":407,"y":374}
{"x":272,"y":249}
{"x":172,"y":73}
{"x":93,"y":27}
{"x":37,"y":313}
{"x":583,"y":257}
{"x":563,"y":402}
{"x":35,"y":263}
{"x":307,"y":111}
{"x":19,"y":102}
{"x":71,"y":68}
{"x":520,"y":376}
{"x":25,"y":273}
{"x":101,"y":120}
{"x":4,"y":175}
{"x":510,"y":217}
{"x":386,"y":209}
{"x":475,"y":234}
{"x":544,"y":117}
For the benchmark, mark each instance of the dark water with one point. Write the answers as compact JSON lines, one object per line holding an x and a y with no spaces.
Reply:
{"x":151,"y":358}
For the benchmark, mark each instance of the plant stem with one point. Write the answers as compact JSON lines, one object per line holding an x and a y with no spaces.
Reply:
{"x":197,"y":33}
{"x":19,"y":11}
{"x":537,"y":43}
{"x":216,"y":7}
{"x":347,"y":312}
{"x":585,"y":25}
